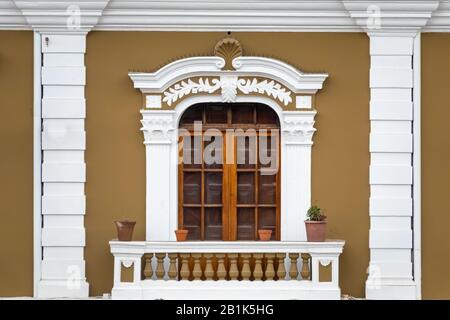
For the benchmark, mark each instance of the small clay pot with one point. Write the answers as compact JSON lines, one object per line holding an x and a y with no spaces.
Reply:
{"x":315,"y":231}
{"x":181,"y":234}
{"x":264,"y":235}
{"x":125,"y":230}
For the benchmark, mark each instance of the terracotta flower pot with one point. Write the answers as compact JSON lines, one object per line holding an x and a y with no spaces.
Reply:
{"x":316,"y":230}
{"x":181,"y":234}
{"x":125,"y":230}
{"x":264,"y":235}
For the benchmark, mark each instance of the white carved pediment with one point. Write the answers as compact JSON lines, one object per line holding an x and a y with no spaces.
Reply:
{"x":251,"y":75}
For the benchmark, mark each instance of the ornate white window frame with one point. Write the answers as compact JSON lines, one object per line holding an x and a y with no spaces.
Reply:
{"x":283,"y":84}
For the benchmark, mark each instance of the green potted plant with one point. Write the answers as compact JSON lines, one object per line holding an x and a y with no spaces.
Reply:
{"x":315,"y":224}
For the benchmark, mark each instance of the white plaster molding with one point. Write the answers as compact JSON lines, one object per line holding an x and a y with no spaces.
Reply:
{"x":298,"y":127}
{"x":247,"y":15}
{"x":62,"y":15}
{"x":391,"y":16}
{"x":247,"y":67}
{"x":158,"y":127}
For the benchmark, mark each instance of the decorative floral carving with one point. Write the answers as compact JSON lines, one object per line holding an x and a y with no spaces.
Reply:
{"x":271,"y":88}
{"x":186,"y":87}
{"x":229,"y":85}
{"x":229,"y":88}
{"x":228,"y":49}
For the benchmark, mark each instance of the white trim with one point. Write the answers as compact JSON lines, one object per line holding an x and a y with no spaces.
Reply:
{"x":37,"y":162}
{"x":159,"y":126}
{"x":391,"y":243}
{"x":160,"y":129}
{"x":231,"y":15}
{"x":322,"y":253}
{"x":140,"y":247}
{"x":182,"y":69}
{"x":63,"y":145}
{"x":417,"y":165}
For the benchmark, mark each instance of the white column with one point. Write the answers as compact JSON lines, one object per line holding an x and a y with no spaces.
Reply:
{"x":391,"y":114}
{"x":297,"y":129}
{"x":159,"y":133}
{"x":63,"y":167}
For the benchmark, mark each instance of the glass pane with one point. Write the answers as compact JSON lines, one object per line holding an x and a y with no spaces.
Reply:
{"x":192,"y":187}
{"x":192,"y":222}
{"x":192,"y":114}
{"x":213,"y":152}
{"x":267,"y":186}
{"x":266,"y":115}
{"x":191,"y":152}
{"x":213,"y":187}
{"x":216,"y":114}
{"x":242,"y":114}
{"x":267,"y":219}
{"x":246,"y":188}
{"x":246,"y":224}
{"x":268,"y":150}
{"x":213,"y":224}
{"x":246,"y":150}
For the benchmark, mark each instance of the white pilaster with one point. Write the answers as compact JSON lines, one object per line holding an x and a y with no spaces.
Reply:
{"x":391,"y":149}
{"x":63,"y":167}
{"x":159,"y":132}
{"x":296,"y":141}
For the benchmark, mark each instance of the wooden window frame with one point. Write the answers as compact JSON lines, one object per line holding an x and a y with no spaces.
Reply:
{"x":230,"y":175}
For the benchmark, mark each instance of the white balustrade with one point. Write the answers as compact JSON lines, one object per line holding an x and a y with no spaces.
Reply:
{"x":226,"y":270}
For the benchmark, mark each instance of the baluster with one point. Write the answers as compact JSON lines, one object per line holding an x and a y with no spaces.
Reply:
{"x":184,"y":272}
{"x":197,"y":271}
{"x":234,"y":272}
{"x":221,"y":271}
{"x":305,"y":273}
{"x":148,"y":270}
{"x":172,"y":273}
{"x":209,"y":271}
{"x":258,"y":272}
{"x":270,"y":271}
{"x":160,"y":265}
{"x":293,"y":272}
{"x":245,"y":272}
{"x":281,"y":270}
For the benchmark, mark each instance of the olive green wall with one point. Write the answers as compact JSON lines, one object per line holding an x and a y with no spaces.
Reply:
{"x":435,"y":165}
{"x":115,"y":154}
{"x":16,"y":163}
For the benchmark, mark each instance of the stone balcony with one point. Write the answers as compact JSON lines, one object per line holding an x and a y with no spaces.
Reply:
{"x":227,"y":270}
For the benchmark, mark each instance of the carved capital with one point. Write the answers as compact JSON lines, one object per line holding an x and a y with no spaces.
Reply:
{"x":298,"y":127}
{"x":158,"y":127}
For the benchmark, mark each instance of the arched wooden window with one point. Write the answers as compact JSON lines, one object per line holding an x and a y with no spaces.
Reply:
{"x":233,"y":198}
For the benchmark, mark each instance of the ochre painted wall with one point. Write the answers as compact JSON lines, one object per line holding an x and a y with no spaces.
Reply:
{"x":16,"y":163}
{"x":435,"y":166}
{"x":115,"y":154}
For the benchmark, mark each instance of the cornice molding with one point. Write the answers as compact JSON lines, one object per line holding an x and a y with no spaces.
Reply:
{"x":391,"y":16}
{"x":62,"y":15}
{"x":400,"y":16}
